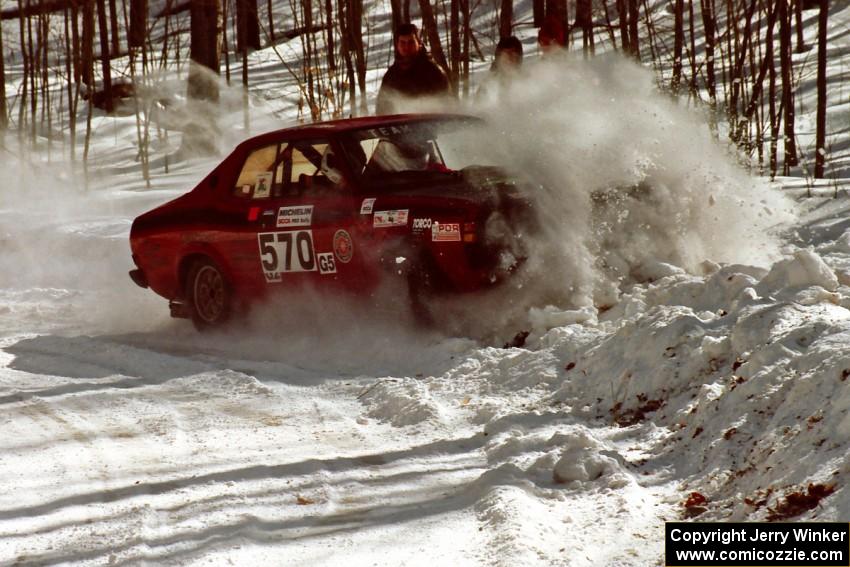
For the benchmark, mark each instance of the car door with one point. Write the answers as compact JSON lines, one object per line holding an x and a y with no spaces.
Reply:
{"x":310,"y":240}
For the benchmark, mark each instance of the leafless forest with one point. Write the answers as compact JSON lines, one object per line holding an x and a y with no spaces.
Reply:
{"x":71,"y":59}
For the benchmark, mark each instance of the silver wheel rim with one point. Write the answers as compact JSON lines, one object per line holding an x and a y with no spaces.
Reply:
{"x":209,"y":294}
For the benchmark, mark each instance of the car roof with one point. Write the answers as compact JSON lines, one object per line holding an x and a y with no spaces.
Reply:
{"x":346,"y":124}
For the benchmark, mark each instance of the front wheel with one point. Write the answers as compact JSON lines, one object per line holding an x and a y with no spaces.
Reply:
{"x":208,"y":294}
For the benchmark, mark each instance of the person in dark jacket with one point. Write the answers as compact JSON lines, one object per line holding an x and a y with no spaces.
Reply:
{"x":413,"y":74}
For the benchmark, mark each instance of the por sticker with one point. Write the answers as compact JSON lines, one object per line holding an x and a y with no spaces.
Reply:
{"x":383,"y":219}
{"x":445,"y":232}
{"x":367,"y":206}
{"x":343,"y":246}
{"x":288,"y":217}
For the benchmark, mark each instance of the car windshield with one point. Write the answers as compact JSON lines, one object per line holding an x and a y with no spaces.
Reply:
{"x":417,"y":149}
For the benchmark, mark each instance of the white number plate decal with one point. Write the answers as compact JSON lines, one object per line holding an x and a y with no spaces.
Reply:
{"x":282,"y":252}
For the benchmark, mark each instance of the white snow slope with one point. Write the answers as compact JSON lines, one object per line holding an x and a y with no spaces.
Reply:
{"x":702,"y":374}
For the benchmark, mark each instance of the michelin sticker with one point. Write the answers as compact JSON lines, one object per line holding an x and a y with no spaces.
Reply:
{"x":288,"y":217}
{"x":383,"y":219}
{"x":367,"y":206}
{"x":445,"y":232}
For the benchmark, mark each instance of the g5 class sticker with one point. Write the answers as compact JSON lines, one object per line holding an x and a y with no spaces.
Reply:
{"x":367,"y":206}
{"x":343,"y":246}
{"x":383,"y":219}
{"x":327,"y":264}
{"x":295,"y":216}
{"x":282,"y":252}
{"x":445,"y":232}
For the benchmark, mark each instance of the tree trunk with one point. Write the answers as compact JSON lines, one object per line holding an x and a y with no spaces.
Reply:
{"x":454,"y":44}
{"x":355,"y":21}
{"x":678,"y":45}
{"x":820,"y":136}
{"x":467,"y":37}
{"x":330,"y":44}
{"x":4,"y":121}
{"x":709,"y":24}
{"x":271,"y":20}
{"x":398,"y":16}
{"x":247,"y":26}
{"x":430,"y":25}
{"x":623,"y":18}
{"x":506,"y":18}
{"x":105,"y":62}
{"x":204,"y":50}
{"x":798,"y":15}
{"x":539,"y":12}
{"x":113,"y":23}
{"x":790,"y":156}
{"x":634,"y":43}
{"x":138,"y":23}
{"x":771,"y":92}
{"x":584,"y":21}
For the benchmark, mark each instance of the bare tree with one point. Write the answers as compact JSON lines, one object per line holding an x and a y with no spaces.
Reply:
{"x":138,"y":23}
{"x":105,"y":62}
{"x":113,"y":22}
{"x":820,"y":136}
{"x":506,"y":16}
{"x":584,"y":21}
{"x":247,"y":26}
{"x":790,"y":156}
{"x":454,"y":45}
{"x":433,"y":34}
{"x":204,"y":49}
{"x":709,"y":23}
{"x":678,"y":44}
{"x":397,"y":14}
{"x":4,"y":120}
{"x":634,"y":43}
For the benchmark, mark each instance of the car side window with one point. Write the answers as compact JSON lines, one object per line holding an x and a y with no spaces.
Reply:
{"x":314,"y":169}
{"x":262,"y":175}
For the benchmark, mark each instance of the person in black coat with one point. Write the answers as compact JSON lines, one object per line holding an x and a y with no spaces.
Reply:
{"x":413,"y":74}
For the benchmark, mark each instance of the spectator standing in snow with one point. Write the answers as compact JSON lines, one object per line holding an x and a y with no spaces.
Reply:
{"x":413,"y":74}
{"x":505,"y":68}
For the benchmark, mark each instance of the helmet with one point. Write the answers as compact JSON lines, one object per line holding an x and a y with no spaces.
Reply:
{"x":329,"y":166}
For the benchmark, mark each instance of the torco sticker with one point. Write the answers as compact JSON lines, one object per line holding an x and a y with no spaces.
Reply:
{"x":445,"y":232}
{"x":367,"y":206}
{"x":343,"y":246}
{"x":384,"y":219}
{"x":421,"y":224}
{"x":327,"y":265}
{"x":295,"y":216}
{"x":282,"y":252}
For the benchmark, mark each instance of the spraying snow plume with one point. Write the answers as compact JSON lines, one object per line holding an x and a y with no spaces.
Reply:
{"x":628,"y":178}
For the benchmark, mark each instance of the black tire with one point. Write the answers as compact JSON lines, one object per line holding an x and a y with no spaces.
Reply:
{"x":208,"y":295}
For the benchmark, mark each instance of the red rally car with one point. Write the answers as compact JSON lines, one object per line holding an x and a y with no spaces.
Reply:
{"x":338,"y":205}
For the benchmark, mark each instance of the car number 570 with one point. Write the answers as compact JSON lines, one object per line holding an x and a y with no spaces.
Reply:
{"x":290,"y":251}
